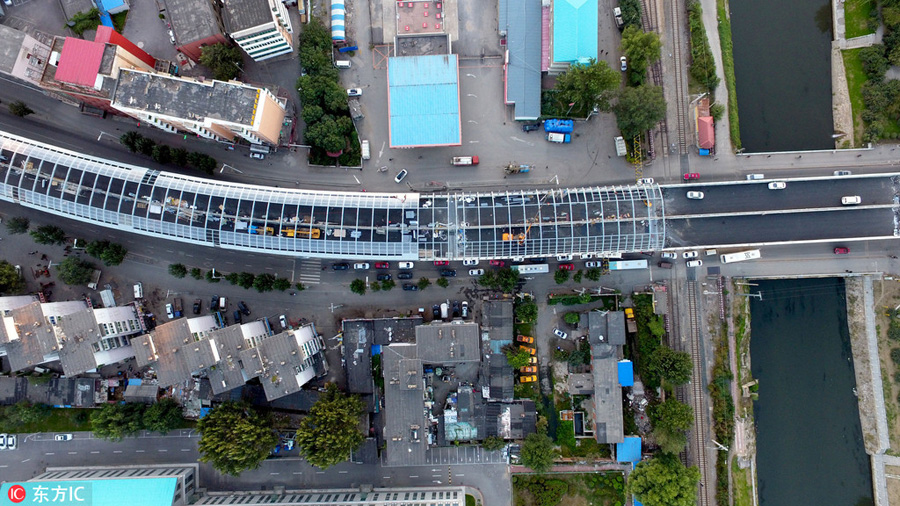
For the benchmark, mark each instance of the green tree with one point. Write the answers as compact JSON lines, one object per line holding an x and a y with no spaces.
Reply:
{"x":631,"y":12}
{"x":673,"y":366}
{"x":163,"y":416}
{"x":507,"y":279}
{"x":246,"y":280}
{"x":577,"y":276}
{"x":593,"y":274}
{"x":233,"y":277}
{"x":25,"y":412}
{"x":300,"y":286}
{"x":117,"y":421}
{"x":538,"y":452}
{"x":375,"y":286}
{"x":162,"y":154}
{"x":180,"y":157}
{"x":331,"y":430}
{"x":388,"y":285}
{"x":639,"y":109}
{"x":572,"y":318}
{"x":17,"y":225}
{"x":130,"y":139}
{"x":114,"y":254}
{"x":587,"y":85}
{"x":223,"y":61}
{"x":358,"y":287}
{"x":423,"y":283}
{"x":516,"y":357}
{"x":561,"y":276}
{"x":11,"y":282}
{"x":74,"y":271}
{"x":18,"y":108}
{"x":48,"y":234}
{"x":874,"y":61}
{"x":326,"y":134}
{"x":442,"y":282}
{"x":82,"y":21}
{"x":488,"y":279}
{"x":235,"y":437}
{"x":493,"y":443}
{"x":196,"y":273}
{"x":664,"y":481}
{"x":670,"y":421}
{"x":526,"y":311}
{"x":178,"y":270}
{"x":281,"y":284}
{"x":641,"y":49}
{"x":212,"y":277}
{"x":145,"y":146}
{"x":96,"y":248}
{"x":264,"y":282}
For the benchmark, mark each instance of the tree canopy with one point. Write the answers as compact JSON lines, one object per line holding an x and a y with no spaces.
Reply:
{"x":11,"y":282}
{"x":163,"y":416}
{"x":526,"y":311}
{"x":48,"y":234}
{"x":235,"y":437}
{"x":641,"y":49}
{"x":17,"y":225}
{"x":640,"y":108}
{"x":222,"y":60}
{"x":110,"y":253}
{"x":116,"y":421}
{"x":358,"y":286}
{"x":538,"y":452}
{"x":664,"y":481}
{"x":331,"y":430}
{"x":670,"y":421}
{"x":74,"y":271}
{"x":673,"y":366}
{"x":587,"y":85}
{"x":516,"y":357}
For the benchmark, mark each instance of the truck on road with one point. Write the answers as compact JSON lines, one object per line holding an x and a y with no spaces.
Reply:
{"x":630,"y":324}
{"x":617,"y":14}
{"x":464,"y":160}
{"x":178,"y":309}
{"x":366,"y":154}
{"x":517,"y":169}
{"x":621,"y":150}
{"x":625,"y":265}
{"x":559,"y":138}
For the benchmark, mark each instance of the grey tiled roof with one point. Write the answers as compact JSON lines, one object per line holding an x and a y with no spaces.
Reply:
{"x":404,"y":406}
{"x":523,"y":41}
{"x":446,"y":343}
{"x":242,"y":14}
{"x":76,"y":333}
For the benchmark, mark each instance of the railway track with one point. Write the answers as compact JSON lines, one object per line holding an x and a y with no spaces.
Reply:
{"x":679,"y":74}
{"x":701,"y":429}
{"x":650,"y":20}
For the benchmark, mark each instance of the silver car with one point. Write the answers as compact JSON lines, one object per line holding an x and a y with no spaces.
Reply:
{"x":10,"y":441}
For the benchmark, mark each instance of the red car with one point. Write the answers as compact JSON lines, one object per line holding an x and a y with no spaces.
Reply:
{"x":691,"y":175}
{"x":382,"y":265}
{"x":497,"y":263}
{"x":567,"y":267}
{"x":439,"y":263}
{"x":840,"y":250}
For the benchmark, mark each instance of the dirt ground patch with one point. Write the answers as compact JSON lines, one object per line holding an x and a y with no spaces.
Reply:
{"x":893,"y":484}
{"x":887,"y":297}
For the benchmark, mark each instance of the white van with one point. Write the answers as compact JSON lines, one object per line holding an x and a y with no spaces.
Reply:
{"x":755,"y":177}
{"x":342,"y":64}
{"x":365,"y":150}
{"x":222,"y":303}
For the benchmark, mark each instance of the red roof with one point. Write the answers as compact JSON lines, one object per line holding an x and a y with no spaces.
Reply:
{"x":79,"y":61}
{"x":706,"y":132}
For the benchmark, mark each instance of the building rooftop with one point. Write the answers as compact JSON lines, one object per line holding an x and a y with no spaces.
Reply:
{"x":227,"y":374}
{"x":608,"y":424}
{"x":169,"y":339}
{"x":581,"y":384}
{"x":523,"y":73}
{"x":501,"y":377}
{"x":286,"y":365}
{"x":447,"y":343}
{"x":423,"y":101}
{"x":11,"y":41}
{"x":35,"y":338}
{"x":186,"y":98}
{"x":404,"y":404}
{"x":574,"y":30}
{"x":141,"y":393}
{"x":80,"y":61}
{"x":243,"y":14}
{"x":76,"y":332}
{"x":60,"y":392}
{"x":606,"y":327}
{"x":192,"y":20}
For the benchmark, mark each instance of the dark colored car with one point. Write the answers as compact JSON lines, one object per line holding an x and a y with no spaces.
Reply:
{"x":404,"y":275}
{"x":197,"y":304}
{"x":840,"y":250}
{"x":664,"y":265}
{"x":340,"y":266}
{"x":538,"y":260}
{"x":214,"y":303}
{"x":237,"y":317}
{"x":448,"y":273}
{"x":409,"y":287}
{"x":244,"y":309}
{"x":691,"y":175}
{"x":530,"y":127}
{"x":456,"y":308}
{"x":384,"y":277}
{"x":436,"y":311}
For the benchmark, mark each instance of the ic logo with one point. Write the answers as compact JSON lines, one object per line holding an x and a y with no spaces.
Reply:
{"x":16,"y":493}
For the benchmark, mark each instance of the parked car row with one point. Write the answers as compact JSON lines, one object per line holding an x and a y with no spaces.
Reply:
{"x":8,"y":442}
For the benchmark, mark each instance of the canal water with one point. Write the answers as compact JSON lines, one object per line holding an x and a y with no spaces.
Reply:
{"x":809,"y":441}
{"x":782,"y":66}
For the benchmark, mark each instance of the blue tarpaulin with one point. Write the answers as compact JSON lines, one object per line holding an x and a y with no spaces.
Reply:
{"x":376,"y":349}
{"x":106,"y":19}
{"x":626,"y":373}
{"x":134,"y":381}
{"x":205,"y":411}
{"x":636,"y":502}
{"x":629,"y":450}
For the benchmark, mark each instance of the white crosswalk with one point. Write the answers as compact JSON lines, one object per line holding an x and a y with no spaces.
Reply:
{"x":309,"y":271}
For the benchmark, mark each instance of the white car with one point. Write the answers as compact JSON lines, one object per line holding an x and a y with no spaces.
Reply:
{"x":592,"y":265}
{"x":354,"y":92}
{"x":563,"y":258}
{"x":560,"y":334}
{"x":690,"y":254}
{"x":670,"y":255}
{"x":405,"y":265}
{"x":476,"y":272}
{"x":283,"y":320}
{"x":361,"y":266}
{"x":851,"y":200}
{"x":169,"y":312}
{"x":470,"y":262}
{"x":645,"y":181}
{"x":624,"y":63}
{"x":63,"y":437}
{"x":171,"y":37}
{"x":10,"y":441}
{"x":842,"y":173}
{"x":400,"y":175}
{"x":258,"y":156}
{"x":2,"y":441}
{"x":695,"y":195}
{"x":777,"y":185}
{"x":694,"y":263}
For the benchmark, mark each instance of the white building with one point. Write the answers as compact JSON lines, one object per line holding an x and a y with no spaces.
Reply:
{"x":261,"y":28}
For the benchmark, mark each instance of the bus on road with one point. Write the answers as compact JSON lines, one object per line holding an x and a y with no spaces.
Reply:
{"x":740,"y":256}
{"x":625,"y":265}
{"x":532,"y":268}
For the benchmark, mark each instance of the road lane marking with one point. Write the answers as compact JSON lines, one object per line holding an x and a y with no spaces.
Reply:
{"x":297,"y":472}
{"x":274,"y":473}
{"x":342,"y":472}
{"x":185,"y":449}
{"x":115,"y":451}
{"x":49,"y":454}
{"x":413,"y":476}
{"x":26,"y":460}
{"x":139,"y":451}
{"x":4,"y":465}
{"x":73,"y":453}
{"x":458,"y":475}
{"x":162,"y":450}
{"x":386,"y":477}
{"x":435,"y":476}
{"x":95,"y":451}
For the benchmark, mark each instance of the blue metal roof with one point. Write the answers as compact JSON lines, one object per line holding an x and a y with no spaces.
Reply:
{"x":574,"y":30}
{"x":523,"y":75}
{"x":629,"y":450}
{"x":626,"y":373}
{"x":423,"y":94}
{"x":138,"y":491}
